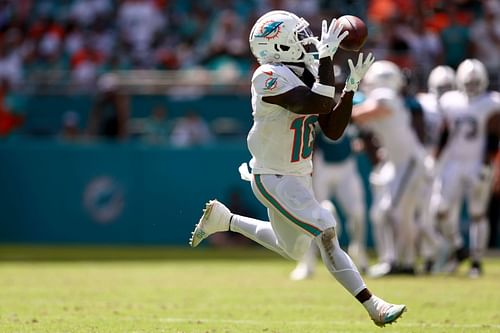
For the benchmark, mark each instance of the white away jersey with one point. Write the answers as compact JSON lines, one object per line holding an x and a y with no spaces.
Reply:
{"x":280,"y":141}
{"x":433,"y":118}
{"x":467,"y":121}
{"x":394,"y":131}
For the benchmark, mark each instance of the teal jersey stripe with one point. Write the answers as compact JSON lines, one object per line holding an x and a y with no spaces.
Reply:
{"x":309,"y":228}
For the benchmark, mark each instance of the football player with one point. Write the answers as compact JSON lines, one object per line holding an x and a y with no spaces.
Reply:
{"x":468,"y":146}
{"x":432,"y":246}
{"x":290,"y":94}
{"x":400,"y":174}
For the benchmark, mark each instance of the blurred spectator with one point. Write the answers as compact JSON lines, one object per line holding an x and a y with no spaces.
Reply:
{"x":70,"y":126}
{"x":156,"y":127}
{"x":191,"y":130}
{"x":85,"y":65}
{"x":50,"y":40}
{"x":455,"y":39}
{"x":425,"y":47}
{"x":10,"y":60}
{"x":228,"y":41}
{"x":109,"y":115}
{"x":485,"y":36}
{"x":74,"y":38}
{"x":10,"y":118}
{"x":85,"y":12}
{"x":102,"y":38}
{"x":41,"y":40}
{"x":139,"y":21}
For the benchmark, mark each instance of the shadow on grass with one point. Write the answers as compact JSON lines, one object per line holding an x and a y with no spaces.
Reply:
{"x":40,"y":253}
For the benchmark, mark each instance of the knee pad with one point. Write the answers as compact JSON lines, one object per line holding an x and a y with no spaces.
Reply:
{"x":327,"y":238}
{"x":325,"y":215}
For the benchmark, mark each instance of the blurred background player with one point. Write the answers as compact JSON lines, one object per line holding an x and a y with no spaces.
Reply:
{"x":400,"y":175}
{"x":110,"y":112}
{"x":336,"y":175}
{"x":289,"y":96}
{"x":469,"y":145}
{"x":431,"y":245}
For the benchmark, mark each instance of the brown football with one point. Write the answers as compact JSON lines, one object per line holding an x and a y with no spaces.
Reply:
{"x":358,"y":32}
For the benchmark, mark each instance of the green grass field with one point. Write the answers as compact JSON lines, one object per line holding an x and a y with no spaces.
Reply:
{"x":201,"y":290}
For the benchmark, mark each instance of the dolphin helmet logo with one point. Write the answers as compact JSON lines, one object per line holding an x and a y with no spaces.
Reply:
{"x":270,"y":29}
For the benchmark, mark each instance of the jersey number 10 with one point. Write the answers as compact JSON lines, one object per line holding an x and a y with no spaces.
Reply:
{"x":303,"y":137}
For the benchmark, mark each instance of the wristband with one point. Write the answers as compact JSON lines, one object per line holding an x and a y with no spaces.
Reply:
{"x":351,"y":85}
{"x":323,"y":89}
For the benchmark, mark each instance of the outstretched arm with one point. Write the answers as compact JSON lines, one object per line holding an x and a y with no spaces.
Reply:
{"x":303,"y":100}
{"x":334,"y":123}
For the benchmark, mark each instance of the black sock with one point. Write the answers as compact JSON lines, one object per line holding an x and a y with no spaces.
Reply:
{"x":363,"y":295}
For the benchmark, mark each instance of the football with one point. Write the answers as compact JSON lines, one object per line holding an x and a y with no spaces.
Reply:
{"x":358,"y":32}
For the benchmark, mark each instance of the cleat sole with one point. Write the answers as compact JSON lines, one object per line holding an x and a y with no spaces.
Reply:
{"x":400,"y":315}
{"x":198,"y":234}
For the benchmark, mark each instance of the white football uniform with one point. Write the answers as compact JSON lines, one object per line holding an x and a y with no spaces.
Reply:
{"x":431,"y":245}
{"x":281,"y":142}
{"x":395,"y":184}
{"x":462,"y":157}
{"x":433,"y":118}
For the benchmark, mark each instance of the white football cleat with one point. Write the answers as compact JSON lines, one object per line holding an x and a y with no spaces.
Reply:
{"x":379,"y":270}
{"x":215,"y":218}
{"x":301,"y":272}
{"x":383,"y":313}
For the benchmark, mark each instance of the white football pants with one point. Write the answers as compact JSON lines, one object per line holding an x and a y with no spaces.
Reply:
{"x":461,"y":180}
{"x":296,"y":219}
{"x":396,"y":190}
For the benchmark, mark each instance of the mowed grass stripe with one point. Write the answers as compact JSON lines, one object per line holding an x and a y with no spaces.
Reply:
{"x":243,"y":293}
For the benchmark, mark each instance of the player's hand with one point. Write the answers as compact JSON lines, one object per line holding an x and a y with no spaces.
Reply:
{"x":331,"y":37}
{"x":358,"y":71}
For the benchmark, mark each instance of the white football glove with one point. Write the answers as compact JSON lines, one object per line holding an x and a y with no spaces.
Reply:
{"x":358,"y":71}
{"x":330,"y":38}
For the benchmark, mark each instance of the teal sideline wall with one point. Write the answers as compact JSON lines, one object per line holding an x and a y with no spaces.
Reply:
{"x":44,"y":113}
{"x":153,"y":195}
{"x":156,"y":193}
{"x":54,"y":192}
{"x":147,"y":194}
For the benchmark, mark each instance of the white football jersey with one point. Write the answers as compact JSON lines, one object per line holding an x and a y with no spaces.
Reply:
{"x":433,"y":118}
{"x":467,"y":120}
{"x":280,"y":141}
{"x":394,"y":131}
